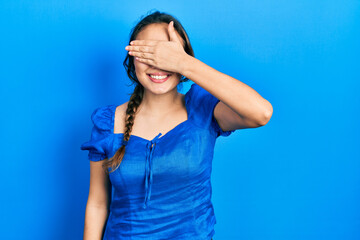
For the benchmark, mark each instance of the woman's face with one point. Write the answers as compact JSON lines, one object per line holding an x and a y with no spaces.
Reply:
{"x":155,"y":31}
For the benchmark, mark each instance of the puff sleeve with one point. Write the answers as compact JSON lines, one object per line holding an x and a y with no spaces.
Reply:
{"x":99,"y":141}
{"x":202,"y":106}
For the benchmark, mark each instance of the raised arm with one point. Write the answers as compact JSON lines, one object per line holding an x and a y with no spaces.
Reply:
{"x":240,"y":106}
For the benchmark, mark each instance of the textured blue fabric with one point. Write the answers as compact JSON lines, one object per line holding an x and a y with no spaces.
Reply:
{"x":162,"y":188}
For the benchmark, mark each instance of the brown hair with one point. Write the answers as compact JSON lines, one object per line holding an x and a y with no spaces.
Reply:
{"x":137,"y":96}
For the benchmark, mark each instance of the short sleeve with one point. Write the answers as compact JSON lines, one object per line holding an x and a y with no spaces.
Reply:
{"x":202,"y":105}
{"x":99,"y":141}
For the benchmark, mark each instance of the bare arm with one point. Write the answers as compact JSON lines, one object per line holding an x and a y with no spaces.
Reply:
{"x":240,"y":106}
{"x":97,"y":207}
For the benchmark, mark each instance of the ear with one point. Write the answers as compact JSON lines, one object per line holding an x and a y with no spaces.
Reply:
{"x":172,"y":33}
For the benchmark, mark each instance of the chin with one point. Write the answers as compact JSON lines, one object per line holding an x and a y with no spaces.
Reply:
{"x":162,"y":88}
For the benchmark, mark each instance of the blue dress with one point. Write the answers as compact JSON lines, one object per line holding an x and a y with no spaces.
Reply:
{"x":163,"y":191}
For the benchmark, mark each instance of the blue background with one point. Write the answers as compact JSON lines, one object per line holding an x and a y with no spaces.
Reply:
{"x":298,"y":177}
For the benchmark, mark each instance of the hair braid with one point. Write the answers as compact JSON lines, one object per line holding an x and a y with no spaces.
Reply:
{"x":132,"y":107}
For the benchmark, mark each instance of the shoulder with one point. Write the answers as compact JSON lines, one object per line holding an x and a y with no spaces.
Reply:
{"x":200,"y":100}
{"x":120,"y":111}
{"x":119,"y":116}
{"x":201,"y":107}
{"x":102,"y":117}
{"x":198,"y":94}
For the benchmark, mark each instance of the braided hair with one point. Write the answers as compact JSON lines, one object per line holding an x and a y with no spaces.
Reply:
{"x":137,"y":96}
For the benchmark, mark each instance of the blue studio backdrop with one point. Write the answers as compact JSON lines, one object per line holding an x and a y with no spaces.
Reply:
{"x":298,"y":177}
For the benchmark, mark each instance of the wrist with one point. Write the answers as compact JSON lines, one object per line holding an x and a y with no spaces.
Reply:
{"x":186,"y":62}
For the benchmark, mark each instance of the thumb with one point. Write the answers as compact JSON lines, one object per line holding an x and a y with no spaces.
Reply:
{"x":172,"y":34}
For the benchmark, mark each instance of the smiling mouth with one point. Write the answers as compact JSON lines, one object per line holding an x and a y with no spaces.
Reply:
{"x":159,"y":78}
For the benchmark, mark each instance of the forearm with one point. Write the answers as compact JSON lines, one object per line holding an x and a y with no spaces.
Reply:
{"x":95,"y":219}
{"x":241,"y":98}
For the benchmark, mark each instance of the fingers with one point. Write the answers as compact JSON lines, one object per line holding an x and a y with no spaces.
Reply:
{"x":145,"y":49}
{"x":141,"y":55}
{"x":172,"y":32}
{"x":143,"y":43}
{"x":146,"y":61}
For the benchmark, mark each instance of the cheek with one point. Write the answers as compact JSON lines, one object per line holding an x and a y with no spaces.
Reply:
{"x":140,"y":66}
{"x":140,"y":69}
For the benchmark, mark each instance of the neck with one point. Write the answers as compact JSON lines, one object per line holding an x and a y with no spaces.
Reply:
{"x":159,"y":105}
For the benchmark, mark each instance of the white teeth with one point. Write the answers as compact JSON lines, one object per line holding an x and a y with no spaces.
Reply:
{"x":158,"y":77}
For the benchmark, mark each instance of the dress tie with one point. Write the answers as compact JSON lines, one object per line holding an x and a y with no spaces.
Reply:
{"x":148,"y":168}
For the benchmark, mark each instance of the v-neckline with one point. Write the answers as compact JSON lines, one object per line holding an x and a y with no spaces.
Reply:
{"x":162,"y":135}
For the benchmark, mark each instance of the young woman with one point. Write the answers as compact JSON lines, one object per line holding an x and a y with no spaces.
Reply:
{"x":151,"y":157}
